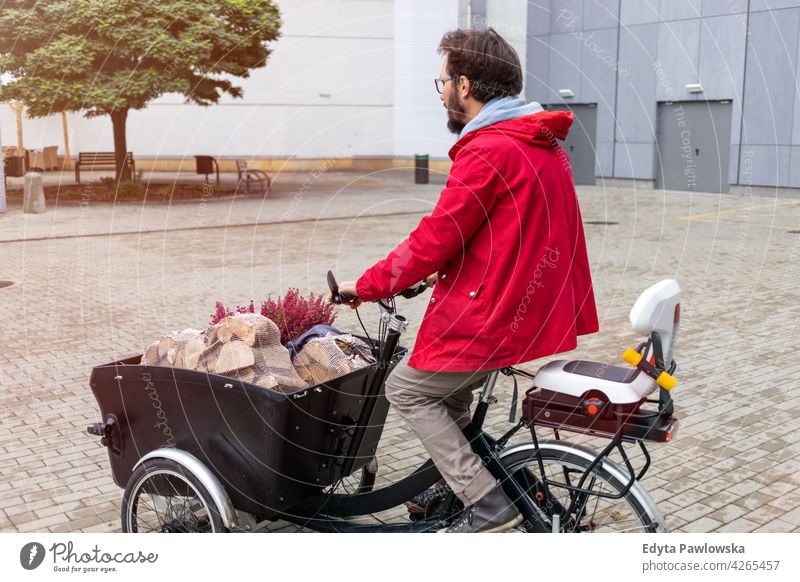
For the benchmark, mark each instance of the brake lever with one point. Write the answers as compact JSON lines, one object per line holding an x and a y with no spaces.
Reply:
{"x":337,"y":297}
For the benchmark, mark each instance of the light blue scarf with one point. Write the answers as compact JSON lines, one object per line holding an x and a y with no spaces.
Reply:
{"x":500,"y":109}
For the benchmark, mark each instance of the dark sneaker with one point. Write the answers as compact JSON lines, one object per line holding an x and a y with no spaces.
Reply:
{"x":419,"y":503}
{"x":493,"y":513}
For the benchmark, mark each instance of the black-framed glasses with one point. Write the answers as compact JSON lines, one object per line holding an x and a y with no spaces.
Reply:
{"x":441,"y":81}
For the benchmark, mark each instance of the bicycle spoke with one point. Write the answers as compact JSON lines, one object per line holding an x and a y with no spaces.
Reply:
{"x":602,"y":513}
{"x":597,"y":502}
{"x":640,"y":526}
{"x":166,"y":500}
{"x":149,"y":510}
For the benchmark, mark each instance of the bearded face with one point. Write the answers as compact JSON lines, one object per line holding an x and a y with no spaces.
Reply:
{"x":456,"y":114}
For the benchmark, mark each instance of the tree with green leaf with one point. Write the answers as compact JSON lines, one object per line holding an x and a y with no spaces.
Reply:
{"x":106,"y":57}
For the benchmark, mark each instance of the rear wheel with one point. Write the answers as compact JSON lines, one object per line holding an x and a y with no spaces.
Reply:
{"x":163,"y":497}
{"x":633,"y":512}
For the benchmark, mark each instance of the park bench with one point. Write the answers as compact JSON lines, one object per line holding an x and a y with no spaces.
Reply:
{"x":100,"y":160}
{"x":252,"y":177}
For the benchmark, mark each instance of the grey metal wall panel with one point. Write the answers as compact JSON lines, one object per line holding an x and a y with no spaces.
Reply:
{"x":478,"y":14}
{"x":771,"y":69}
{"x":538,"y":17}
{"x":711,"y":50}
{"x":565,"y":63}
{"x":599,"y":81}
{"x":794,"y":166}
{"x":796,"y":101}
{"x":606,"y":121}
{"x":638,"y":12}
{"x":722,"y":48}
{"x":636,"y":99}
{"x":770,"y":164}
{"x":680,"y":9}
{"x":537,"y":78}
{"x":566,"y":16}
{"x":724,"y":7}
{"x":733,"y":162}
{"x":759,"y":5}
{"x":634,"y":160}
{"x":600,"y":14}
{"x":605,"y":159}
{"x":679,"y":56}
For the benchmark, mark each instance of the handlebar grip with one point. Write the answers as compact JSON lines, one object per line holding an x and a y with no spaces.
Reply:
{"x":346,"y":297}
{"x":412,"y":292}
{"x":337,"y":297}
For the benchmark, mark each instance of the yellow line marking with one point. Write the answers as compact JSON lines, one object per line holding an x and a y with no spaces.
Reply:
{"x":730,"y":210}
{"x":741,"y":223}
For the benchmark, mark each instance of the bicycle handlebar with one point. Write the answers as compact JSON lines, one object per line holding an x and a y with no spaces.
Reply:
{"x":339,"y":298}
{"x":343,"y":298}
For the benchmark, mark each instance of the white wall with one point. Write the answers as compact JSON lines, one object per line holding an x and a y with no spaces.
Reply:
{"x":420,"y":119}
{"x":346,"y":75}
{"x":36,"y":133}
{"x":327,"y":86}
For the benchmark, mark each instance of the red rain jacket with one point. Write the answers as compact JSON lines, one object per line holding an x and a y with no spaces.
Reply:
{"x":507,"y":241}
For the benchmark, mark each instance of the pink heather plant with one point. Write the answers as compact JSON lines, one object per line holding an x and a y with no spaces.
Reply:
{"x":292,"y":313}
{"x":222,"y":312}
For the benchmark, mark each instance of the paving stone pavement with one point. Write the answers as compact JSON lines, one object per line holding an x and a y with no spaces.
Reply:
{"x":83,"y":297}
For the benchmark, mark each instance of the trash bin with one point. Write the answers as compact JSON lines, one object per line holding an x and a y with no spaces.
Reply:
{"x":206,"y":165}
{"x":421,"y":169}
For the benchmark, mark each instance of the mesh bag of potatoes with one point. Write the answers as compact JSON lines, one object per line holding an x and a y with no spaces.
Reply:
{"x":324,"y":358}
{"x":245,"y":346}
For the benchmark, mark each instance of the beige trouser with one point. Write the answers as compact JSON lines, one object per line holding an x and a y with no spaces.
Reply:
{"x":436,"y":407}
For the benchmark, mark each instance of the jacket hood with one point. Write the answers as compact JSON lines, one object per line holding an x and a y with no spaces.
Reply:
{"x":500,"y":109}
{"x":542,"y":129}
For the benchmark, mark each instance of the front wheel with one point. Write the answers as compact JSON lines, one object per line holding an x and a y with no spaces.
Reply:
{"x":163,"y":497}
{"x":564,"y":465}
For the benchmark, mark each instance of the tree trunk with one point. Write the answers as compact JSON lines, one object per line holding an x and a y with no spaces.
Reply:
{"x":118,"y":119}
{"x":18,"y":108}
{"x":66,"y":140}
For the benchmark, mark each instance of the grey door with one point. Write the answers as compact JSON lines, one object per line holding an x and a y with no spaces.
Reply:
{"x":693,"y":146}
{"x":580,"y":142}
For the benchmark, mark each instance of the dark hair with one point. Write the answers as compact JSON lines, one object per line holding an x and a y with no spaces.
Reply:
{"x":486,"y":59}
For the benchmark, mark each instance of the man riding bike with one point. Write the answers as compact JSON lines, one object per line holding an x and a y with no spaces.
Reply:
{"x":507,"y":243}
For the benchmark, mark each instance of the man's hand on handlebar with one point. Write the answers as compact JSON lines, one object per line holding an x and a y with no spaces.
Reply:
{"x":344,"y":293}
{"x":350,"y":288}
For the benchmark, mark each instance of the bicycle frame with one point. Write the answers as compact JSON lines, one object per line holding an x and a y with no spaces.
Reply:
{"x":340,"y":506}
{"x":324,"y":512}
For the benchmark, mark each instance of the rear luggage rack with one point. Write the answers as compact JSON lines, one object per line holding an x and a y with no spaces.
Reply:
{"x":630,"y":421}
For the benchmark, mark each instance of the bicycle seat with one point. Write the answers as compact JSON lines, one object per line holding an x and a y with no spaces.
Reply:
{"x":577,"y":377}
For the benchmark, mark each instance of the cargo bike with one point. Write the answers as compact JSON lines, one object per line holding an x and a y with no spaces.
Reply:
{"x":197,"y":452}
